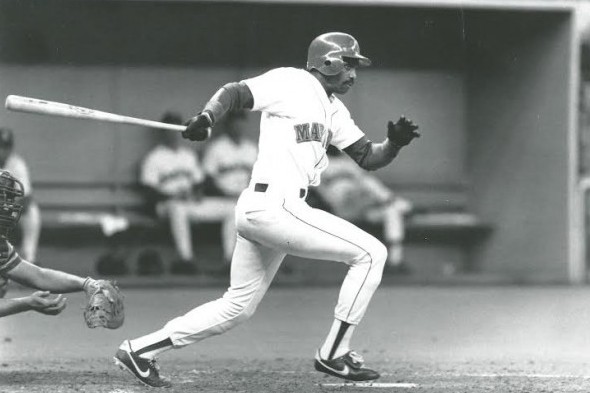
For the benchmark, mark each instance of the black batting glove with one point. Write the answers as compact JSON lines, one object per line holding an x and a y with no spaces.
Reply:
{"x":198,"y":128}
{"x":402,"y":132}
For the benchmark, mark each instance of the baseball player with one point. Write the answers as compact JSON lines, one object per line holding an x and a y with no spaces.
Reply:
{"x":301,"y":116}
{"x":13,"y":267}
{"x":31,"y":217}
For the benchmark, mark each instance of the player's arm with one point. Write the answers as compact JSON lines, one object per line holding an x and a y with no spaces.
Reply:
{"x":232,"y":96}
{"x":55,"y":281}
{"x":372,"y":156}
{"x":40,"y":301}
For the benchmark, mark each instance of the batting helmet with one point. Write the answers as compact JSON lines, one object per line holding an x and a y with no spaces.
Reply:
{"x":327,"y":53}
{"x":11,"y":190}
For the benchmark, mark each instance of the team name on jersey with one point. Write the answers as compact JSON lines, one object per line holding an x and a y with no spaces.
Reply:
{"x":313,"y":132}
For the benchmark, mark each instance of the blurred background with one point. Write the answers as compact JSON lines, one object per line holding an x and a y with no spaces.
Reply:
{"x":499,"y":89}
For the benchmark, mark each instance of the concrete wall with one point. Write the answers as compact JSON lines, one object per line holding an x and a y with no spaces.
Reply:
{"x":142,"y":58}
{"x":60,"y":149}
{"x":517,"y":124}
{"x":488,"y":88}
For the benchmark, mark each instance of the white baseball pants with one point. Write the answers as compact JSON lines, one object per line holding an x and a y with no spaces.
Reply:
{"x":270,"y":225}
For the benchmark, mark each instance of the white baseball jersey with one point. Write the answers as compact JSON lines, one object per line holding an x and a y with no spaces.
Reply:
{"x":16,"y":165}
{"x":298,"y":122}
{"x":171,"y":171}
{"x":230,"y":164}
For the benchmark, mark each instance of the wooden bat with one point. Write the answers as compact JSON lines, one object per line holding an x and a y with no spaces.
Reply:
{"x":42,"y":107}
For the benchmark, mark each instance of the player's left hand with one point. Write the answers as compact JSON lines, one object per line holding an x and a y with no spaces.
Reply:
{"x":198,"y":128}
{"x":402,"y":132}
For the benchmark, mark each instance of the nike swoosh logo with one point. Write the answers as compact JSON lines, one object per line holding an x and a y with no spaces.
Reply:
{"x":144,"y":374}
{"x":344,"y":372}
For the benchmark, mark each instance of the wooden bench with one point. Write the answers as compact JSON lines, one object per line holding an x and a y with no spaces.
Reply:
{"x":68,"y":210}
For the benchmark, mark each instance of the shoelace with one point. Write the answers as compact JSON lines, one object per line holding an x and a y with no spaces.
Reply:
{"x":154,"y":363}
{"x":357,"y":358}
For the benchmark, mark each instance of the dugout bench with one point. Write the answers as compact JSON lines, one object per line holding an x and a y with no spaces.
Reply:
{"x":444,"y":234}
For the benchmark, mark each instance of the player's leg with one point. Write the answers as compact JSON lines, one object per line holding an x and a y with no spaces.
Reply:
{"x":31,"y":229}
{"x":366,"y":262}
{"x":228,"y":237}
{"x":253,"y":268}
{"x":311,"y":233}
{"x":215,"y":209}
{"x":393,"y":230}
{"x":180,"y":228}
{"x":393,"y":215}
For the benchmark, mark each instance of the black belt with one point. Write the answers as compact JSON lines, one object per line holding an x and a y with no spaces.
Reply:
{"x":262,"y":187}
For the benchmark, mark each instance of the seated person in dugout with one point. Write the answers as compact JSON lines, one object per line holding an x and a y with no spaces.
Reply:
{"x":30,"y":223}
{"x":352,"y":194}
{"x":173,"y":176}
{"x":228,"y":160}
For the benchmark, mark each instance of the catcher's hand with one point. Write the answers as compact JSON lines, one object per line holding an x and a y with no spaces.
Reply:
{"x":41,"y":301}
{"x":402,"y":132}
{"x":104,"y":304}
{"x":198,"y":128}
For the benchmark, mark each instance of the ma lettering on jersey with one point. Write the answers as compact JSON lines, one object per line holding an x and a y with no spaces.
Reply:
{"x":313,"y":132}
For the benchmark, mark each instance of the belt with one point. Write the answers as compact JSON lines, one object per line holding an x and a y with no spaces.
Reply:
{"x":262,"y":187}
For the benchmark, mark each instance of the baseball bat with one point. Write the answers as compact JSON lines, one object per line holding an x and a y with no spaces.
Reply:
{"x":43,"y":107}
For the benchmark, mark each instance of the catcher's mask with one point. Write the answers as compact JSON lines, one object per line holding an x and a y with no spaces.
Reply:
{"x":328,"y":53}
{"x":11,"y":191}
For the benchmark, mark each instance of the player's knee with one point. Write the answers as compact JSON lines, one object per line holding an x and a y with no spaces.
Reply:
{"x":244,"y":315}
{"x":378,"y":253}
{"x":237,"y":311}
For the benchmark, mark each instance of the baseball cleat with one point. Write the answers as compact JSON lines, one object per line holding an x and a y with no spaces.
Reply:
{"x":146,"y":370}
{"x":348,"y":366}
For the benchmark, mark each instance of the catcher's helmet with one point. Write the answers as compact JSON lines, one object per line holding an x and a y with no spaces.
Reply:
{"x":327,"y":53}
{"x":11,"y":191}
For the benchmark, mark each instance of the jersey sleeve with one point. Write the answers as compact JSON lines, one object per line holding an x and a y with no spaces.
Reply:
{"x":345,"y":131}
{"x":270,"y":89}
{"x":196,"y":171}
{"x":9,"y":258}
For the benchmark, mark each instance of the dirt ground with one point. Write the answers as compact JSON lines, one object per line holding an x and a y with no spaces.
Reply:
{"x":422,"y":339}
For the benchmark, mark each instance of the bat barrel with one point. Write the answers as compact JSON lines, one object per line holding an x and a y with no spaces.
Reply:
{"x":43,"y":107}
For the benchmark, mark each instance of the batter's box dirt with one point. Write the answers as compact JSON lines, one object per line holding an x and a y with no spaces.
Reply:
{"x":261,"y":377}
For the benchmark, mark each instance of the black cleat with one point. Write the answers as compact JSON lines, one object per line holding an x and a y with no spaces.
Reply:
{"x":146,"y":370}
{"x":348,"y":366}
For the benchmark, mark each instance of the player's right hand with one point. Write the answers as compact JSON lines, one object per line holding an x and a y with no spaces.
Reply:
{"x":41,"y":301}
{"x":198,"y":128}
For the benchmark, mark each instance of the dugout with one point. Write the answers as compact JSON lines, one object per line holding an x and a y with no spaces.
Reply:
{"x":493,"y":85}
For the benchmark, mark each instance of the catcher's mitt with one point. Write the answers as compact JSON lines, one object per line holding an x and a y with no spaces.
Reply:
{"x":104,"y":304}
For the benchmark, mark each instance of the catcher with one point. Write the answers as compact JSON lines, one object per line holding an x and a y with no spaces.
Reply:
{"x":104,"y":301}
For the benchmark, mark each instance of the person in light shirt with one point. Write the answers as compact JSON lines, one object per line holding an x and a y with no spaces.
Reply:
{"x":173,"y":177}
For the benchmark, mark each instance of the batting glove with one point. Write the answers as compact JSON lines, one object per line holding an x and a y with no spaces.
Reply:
{"x":402,"y":132}
{"x":198,"y":128}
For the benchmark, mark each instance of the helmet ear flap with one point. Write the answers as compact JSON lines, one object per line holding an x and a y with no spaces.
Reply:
{"x":332,"y":66}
